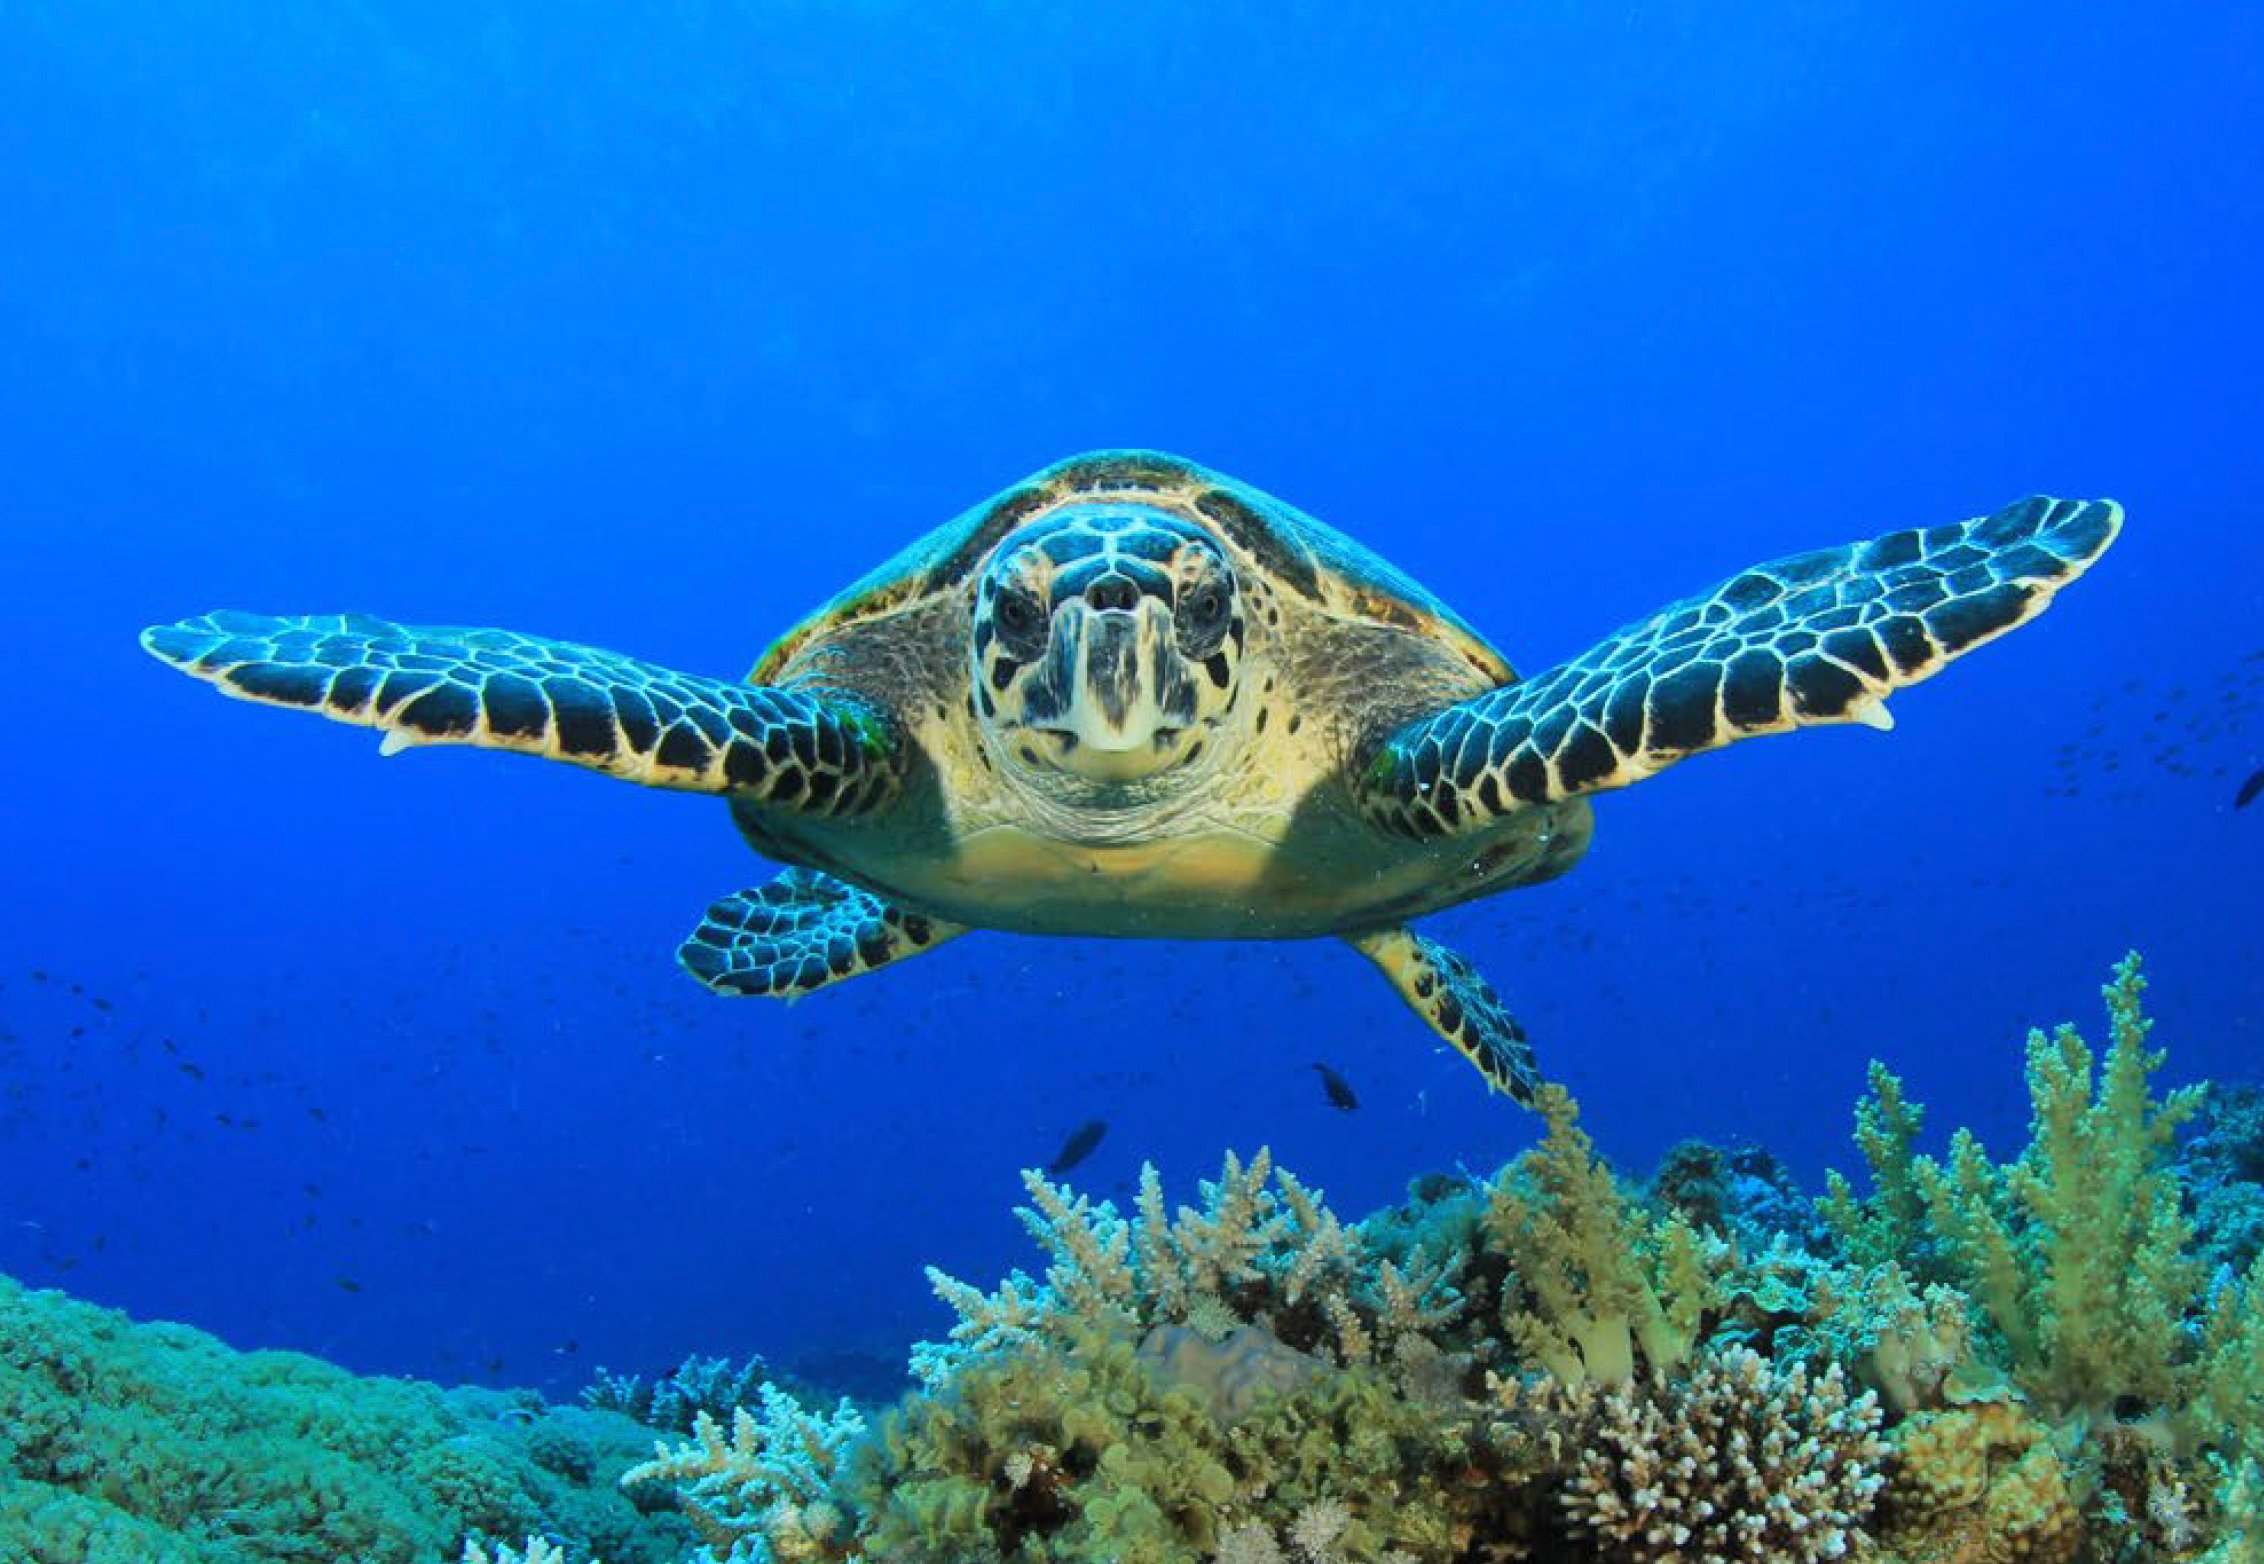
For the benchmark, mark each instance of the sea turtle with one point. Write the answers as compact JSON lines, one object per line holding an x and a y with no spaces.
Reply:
{"x":1132,"y":696}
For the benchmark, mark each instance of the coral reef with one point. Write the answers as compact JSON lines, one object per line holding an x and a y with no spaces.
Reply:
{"x":1971,"y":1363}
{"x":156,"y":1444}
{"x":2221,"y":1167}
{"x":2058,"y":1359}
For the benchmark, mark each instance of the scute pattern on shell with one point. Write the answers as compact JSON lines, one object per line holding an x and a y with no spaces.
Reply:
{"x":1296,"y":552}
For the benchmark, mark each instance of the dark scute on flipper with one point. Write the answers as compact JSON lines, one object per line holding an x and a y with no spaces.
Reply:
{"x":445,"y":709}
{"x":289,"y":683}
{"x":515,"y":706}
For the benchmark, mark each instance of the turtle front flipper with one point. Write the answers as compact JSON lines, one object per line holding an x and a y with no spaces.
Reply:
{"x":800,"y":932}
{"x":1458,"y":1004}
{"x":1816,"y":638}
{"x":439,"y":684}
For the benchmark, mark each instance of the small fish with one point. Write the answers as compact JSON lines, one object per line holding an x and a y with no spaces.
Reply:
{"x":1340,"y":1092}
{"x":1077,"y":1147}
{"x":348,"y":1284}
{"x":2248,"y":791}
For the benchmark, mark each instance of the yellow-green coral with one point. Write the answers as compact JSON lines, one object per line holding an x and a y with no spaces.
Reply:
{"x":1596,"y":1279}
{"x":1260,"y":1245}
{"x":1085,"y":1449}
{"x":1891,"y":1224}
{"x":2079,"y":1250}
{"x":2080,"y":1254}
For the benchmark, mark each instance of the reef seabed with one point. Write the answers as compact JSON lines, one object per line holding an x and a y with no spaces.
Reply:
{"x":2058,"y":1358}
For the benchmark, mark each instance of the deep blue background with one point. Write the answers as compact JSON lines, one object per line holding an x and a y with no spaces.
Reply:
{"x":650,"y":326}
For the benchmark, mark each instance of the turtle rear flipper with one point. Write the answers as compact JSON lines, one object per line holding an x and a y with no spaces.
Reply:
{"x":440,"y":684}
{"x":1459,"y":1005}
{"x":801,"y":931}
{"x":1816,"y":638}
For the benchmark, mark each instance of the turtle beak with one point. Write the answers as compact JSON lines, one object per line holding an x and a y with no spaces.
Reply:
{"x":1129,"y":699}
{"x":1109,"y":676}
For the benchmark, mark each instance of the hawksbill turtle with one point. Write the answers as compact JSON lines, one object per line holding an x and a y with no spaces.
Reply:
{"x":1131,"y":696}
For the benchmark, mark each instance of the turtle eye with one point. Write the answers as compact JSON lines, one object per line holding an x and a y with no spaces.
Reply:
{"x":1021,"y":622}
{"x":1203,"y":612}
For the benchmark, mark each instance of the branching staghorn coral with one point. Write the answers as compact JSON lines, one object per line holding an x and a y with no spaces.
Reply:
{"x":769,"y":1483}
{"x":1261,"y":1249}
{"x":716,"y":1386}
{"x":537,"y":1551}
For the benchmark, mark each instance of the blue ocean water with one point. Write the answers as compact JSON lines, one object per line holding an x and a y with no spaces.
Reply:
{"x":651,"y":326}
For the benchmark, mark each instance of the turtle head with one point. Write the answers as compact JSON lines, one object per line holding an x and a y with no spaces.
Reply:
{"x":1107,"y":642}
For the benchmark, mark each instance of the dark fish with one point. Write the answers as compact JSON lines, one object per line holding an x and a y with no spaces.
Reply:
{"x":1077,"y":1147}
{"x":348,"y":1284}
{"x":1341,"y":1094}
{"x":2248,"y":791}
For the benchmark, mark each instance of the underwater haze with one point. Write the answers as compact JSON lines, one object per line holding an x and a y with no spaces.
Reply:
{"x":652,"y":327}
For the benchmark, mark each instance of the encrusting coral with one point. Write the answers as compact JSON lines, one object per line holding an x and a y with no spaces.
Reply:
{"x":1981,"y":1483}
{"x":125,"y":1443}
